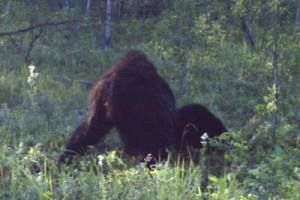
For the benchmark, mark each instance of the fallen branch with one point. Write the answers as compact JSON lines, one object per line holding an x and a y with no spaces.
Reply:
{"x":34,"y":39}
{"x":41,"y":25}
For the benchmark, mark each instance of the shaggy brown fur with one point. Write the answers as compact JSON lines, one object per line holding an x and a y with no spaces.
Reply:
{"x":132,"y":97}
{"x":192,"y":121}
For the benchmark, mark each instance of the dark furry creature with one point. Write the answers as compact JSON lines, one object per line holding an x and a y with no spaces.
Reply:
{"x":192,"y":121}
{"x":132,"y":97}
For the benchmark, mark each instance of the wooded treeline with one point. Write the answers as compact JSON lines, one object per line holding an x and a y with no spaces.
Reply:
{"x":72,"y":32}
{"x":246,"y":20}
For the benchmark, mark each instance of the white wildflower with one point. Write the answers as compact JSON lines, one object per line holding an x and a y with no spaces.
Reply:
{"x":148,"y":158}
{"x":39,"y":177}
{"x":31,"y":79}
{"x":32,"y":75}
{"x":100,"y":160}
{"x":229,"y":178}
{"x":252,"y":195}
{"x":204,"y":137}
{"x":261,"y":189}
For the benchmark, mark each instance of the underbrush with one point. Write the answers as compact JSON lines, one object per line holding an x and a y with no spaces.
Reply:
{"x":39,"y":110}
{"x":30,"y":145}
{"x":30,"y":172}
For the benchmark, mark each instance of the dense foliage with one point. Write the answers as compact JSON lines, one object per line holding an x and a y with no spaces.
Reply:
{"x":222,"y":54}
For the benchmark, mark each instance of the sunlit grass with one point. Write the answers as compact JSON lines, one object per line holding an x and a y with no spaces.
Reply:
{"x":31,"y":172}
{"x":38,"y":116}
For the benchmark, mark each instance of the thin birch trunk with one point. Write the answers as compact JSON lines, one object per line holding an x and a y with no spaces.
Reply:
{"x":88,"y":6}
{"x":297,"y":21}
{"x":7,"y":7}
{"x":107,"y":26}
{"x":275,"y":119}
{"x":67,"y":4}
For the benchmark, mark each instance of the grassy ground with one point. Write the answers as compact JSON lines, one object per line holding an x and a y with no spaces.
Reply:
{"x":42,"y":113}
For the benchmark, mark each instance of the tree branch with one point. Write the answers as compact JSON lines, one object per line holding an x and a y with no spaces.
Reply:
{"x":41,"y":25}
{"x":275,"y":118}
{"x":34,"y":39}
{"x":248,"y":33}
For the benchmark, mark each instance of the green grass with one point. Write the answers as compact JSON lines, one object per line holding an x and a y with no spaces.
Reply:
{"x":29,"y":171}
{"x":32,"y":174}
{"x":38,"y":118}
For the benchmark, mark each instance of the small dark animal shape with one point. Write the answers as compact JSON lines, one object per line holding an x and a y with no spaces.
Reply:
{"x":132,"y":97}
{"x":192,"y":121}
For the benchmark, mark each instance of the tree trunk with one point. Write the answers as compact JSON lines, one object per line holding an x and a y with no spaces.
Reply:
{"x":107,"y":25}
{"x":275,"y":119}
{"x":88,"y":6}
{"x":121,"y":9}
{"x":248,"y":33}
{"x":67,"y":4}
{"x":298,"y":16}
{"x":7,"y":7}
